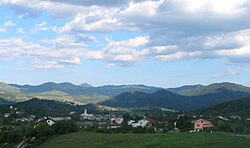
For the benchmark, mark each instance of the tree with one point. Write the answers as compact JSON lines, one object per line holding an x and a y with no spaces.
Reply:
{"x":184,"y":123}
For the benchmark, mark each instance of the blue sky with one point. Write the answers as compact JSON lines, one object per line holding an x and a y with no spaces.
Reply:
{"x":163,"y":43}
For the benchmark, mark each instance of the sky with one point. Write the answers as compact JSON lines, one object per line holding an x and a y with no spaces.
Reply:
{"x":163,"y":43}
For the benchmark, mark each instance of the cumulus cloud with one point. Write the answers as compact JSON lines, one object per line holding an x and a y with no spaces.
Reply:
{"x":34,"y":8}
{"x":9,"y":23}
{"x":63,"y":43}
{"x":172,"y":29}
{"x":98,"y":20}
{"x":56,"y":56}
{"x":121,"y":52}
{"x":106,"y":3}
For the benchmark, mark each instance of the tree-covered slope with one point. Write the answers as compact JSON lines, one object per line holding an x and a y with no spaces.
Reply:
{"x":239,"y":107}
{"x":205,"y":96}
{"x":161,"y":98}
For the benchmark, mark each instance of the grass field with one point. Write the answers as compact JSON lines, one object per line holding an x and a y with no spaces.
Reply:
{"x":180,"y":140}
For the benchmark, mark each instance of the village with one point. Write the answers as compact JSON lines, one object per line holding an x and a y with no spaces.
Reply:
{"x":174,"y":123}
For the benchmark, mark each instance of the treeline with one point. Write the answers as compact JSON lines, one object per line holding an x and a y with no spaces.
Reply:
{"x":33,"y":136}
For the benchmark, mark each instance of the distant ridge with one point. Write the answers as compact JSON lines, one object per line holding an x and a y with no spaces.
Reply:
{"x":188,"y":97}
{"x":204,"y":96}
{"x":185,"y":88}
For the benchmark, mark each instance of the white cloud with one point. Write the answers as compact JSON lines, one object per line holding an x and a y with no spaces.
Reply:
{"x":20,"y":30}
{"x":106,"y":3}
{"x":14,"y":47}
{"x":41,"y":24}
{"x":63,"y":42}
{"x":49,"y":65}
{"x":34,"y":8}
{"x":229,"y":72}
{"x":2,"y":30}
{"x":9,"y":23}
{"x":98,"y":20}
{"x":172,"y":29}
{"x":178,"y":56}
{"x":139,"y":41}
{"x":120,"y":53}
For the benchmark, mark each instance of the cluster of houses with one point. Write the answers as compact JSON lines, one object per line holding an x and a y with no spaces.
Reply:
{"x":92,"y":117}
{"x":101,"y":121}
{"x":111,"y":121}
{"x":18,"y":114}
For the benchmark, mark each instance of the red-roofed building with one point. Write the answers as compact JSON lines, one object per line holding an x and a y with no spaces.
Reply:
{"x":150,"y":122}
{"x":201,"y":124}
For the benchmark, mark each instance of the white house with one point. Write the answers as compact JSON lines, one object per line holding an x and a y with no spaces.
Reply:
{"x":52,"y":120}
{"x":139,"y":123}
{"x":130,"y":122}
{"x":142,"y":123}
{"x":6,"y":115}
{"x":117,"y":120}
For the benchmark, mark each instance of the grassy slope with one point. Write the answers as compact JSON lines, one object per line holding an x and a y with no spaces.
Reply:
{"x":7,"y":88}
{"x":192,"y":140}
{"x":215,"y":87}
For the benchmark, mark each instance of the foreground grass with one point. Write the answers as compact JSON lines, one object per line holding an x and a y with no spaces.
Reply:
{"x":187,"y":140}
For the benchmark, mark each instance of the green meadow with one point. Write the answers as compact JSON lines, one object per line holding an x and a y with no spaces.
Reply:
{"x":169,"y":140}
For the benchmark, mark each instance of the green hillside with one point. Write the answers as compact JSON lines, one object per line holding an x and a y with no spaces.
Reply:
{"x":161,"y":99}
{"x":205,"y":96}
{"x":184,"y":89}
{"x":215,"y":88}
{"x":239,"y":107}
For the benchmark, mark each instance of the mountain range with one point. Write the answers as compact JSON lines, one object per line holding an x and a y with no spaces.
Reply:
{"x":188,"y":97}
{"x":197,"y":98}
{"x":79,"y":94}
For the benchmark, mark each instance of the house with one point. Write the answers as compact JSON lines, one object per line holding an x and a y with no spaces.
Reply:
{"x":22,"y":119}
{"x":150,"y":123}
{"x":72,"y":112}
{"x":11,"y":107}
{"x":222,"y":118}
{"x":51,"y":120}
{"x":31,"y":117}
{"x":116,"y":120}
{"x":201,"y":124}
{"x":236,"y":117}
{"x":6,"y":115}
{"x":19,"y":112}
{"x":130,"y":122}
{"x":141,"y":123}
